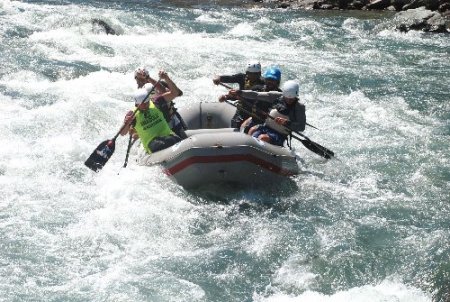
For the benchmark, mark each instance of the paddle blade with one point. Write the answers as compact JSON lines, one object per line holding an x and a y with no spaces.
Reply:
{"x":318,"y":149}
{"x":101,"y":155}
{"x":314,"y":147}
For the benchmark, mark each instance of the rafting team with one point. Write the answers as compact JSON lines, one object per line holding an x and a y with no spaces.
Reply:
{"x":263,"y":109}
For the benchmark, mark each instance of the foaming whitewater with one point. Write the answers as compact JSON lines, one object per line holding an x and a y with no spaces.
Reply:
{"x":372,"y":225}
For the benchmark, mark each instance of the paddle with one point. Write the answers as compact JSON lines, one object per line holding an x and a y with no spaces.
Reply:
{"x":309,"y":144}
{"x":313,"y":146}
{"x":105,"y":150}
{"x":229,"y":87}
{"x":130,"y":144}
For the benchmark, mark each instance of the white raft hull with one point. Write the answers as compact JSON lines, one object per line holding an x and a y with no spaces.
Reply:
{"x":221,"y":155}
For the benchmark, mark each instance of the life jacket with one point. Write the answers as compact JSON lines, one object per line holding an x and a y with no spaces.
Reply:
{"x":254,"y":106}
{"x":273,"y":125}
{"x":151,"y":124}
{"x":280,"y":109}
{"x":164,"y":107}
{"x":249,"y":85}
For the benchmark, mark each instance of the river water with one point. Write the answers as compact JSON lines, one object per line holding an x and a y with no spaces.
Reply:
{"x":372,"y":225}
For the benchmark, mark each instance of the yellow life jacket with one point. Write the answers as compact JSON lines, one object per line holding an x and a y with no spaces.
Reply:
{"x":151,"y":124}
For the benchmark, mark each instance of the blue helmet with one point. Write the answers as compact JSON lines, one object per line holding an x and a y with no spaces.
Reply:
{"x":273,"y":73}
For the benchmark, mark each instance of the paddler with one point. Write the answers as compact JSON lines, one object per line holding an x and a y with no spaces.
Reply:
{"x":176,"y":123}
{"x":248,"y":107}
{"x":149,"y":122}
{"x":287,"y":112}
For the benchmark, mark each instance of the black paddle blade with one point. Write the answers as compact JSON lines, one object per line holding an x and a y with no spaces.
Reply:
{"x":315,"y":147}
{"x":101,"y":155}
{"x":318,"y":149}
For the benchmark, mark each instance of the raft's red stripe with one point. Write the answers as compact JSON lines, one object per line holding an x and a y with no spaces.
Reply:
{"x":226,"y":158}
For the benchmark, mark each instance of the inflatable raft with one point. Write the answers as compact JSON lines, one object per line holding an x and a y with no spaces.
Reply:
{"x":214,"y":153}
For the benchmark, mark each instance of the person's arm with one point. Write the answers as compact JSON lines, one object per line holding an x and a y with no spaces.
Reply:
{"x":238,"y":78}
{"x":151,"y":80}
{"x":154,"y":82}
{"x":268,"y":97}
{"x":161,"y":87}
{"x":129,"y":122}
{"x":173,"y":89}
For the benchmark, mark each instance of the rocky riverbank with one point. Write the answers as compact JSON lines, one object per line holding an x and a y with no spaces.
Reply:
{"x":424,"y":15}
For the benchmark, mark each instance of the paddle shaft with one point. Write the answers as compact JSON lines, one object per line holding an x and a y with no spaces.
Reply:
{"x":130,"y":144}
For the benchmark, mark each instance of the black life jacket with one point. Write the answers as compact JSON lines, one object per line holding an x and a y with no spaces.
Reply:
{"x":164,"y":106}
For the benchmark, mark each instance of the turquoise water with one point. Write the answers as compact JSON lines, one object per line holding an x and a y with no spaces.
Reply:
{"x":370,"y":226}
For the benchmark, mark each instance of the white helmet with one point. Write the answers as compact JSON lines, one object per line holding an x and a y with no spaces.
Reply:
{"x":141,"y":70}
{"x":140,"y":96}
{"x":290,"y":89}
{"x":253,"y":66}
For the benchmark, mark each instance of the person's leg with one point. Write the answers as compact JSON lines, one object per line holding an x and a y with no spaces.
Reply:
{"x":251,"y":124}
{"x":156,"y":144}
{"x":253,"y":130}
{"x":246,"y":125}
{"x":171,"y":140}
{"x":163,"y":142}
{"x":268,"y":135}
{"x":255,"y":133}
{"x":275,"y":138}
{"x":264,"y":137}
{"x":236,"y":121}
{"x":260,"y":133}
{"x":178,"y":129}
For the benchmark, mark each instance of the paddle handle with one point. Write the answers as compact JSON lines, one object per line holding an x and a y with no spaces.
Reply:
{"x":123,"y":126}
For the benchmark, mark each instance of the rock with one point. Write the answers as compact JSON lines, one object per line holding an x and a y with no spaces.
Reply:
{"x":356,"y":5}
{"x":398,"y":4}
{"x":104,"y":26}
{"x":326,"y":6}
{"x":421,"y":19}
{"x":378,"y":4}
{"x":444,"y":7}
{"x":429,"y":4}
{"x":412,"y":5}
{"x":436,"y":24}
{"x":283,"y":5}
{"x":441,"y":5}
{"x":419,"y":14}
